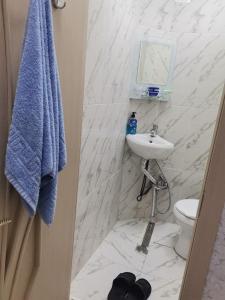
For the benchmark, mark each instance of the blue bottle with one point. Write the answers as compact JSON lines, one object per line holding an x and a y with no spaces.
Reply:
{"x":132,"y":124}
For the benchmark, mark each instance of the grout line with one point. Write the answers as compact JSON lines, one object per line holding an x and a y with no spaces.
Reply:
{"x":153,"y":243}
{"x":106,"y":104}
{"x":157,"y":243}
{"x":143,"y":264}
{"x":114,"y":174}
{"x":164,"y":285}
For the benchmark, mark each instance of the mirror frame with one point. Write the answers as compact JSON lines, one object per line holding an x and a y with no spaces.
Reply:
{"x":141,"y":58}
{"x":136,"y":88}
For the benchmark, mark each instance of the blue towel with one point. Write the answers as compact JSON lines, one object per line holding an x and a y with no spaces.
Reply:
{"x":36,"y":149}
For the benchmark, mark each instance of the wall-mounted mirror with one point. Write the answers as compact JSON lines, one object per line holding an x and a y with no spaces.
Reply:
{"x":154,"y":66}
{"x":154,"y":63}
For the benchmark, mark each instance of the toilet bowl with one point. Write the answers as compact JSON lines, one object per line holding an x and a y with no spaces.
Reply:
{"x":185,"y":212}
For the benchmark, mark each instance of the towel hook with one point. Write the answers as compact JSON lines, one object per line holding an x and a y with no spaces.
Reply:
{"x":59,"y":3}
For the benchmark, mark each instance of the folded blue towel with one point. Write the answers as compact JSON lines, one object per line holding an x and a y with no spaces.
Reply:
{"x":36,"y":149}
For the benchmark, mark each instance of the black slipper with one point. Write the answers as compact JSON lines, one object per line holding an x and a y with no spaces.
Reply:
{"x":121,"y":284}
{"x":140,"y":290}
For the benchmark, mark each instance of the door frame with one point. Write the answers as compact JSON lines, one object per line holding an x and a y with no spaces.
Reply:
{"x":209,"y":214}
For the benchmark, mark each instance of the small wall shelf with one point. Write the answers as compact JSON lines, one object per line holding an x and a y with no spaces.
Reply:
{"x":157,"y":98}
{"x":163,"y":97}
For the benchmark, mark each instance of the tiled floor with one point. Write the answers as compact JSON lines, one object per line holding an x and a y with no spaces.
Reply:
{"x":162,"y":267}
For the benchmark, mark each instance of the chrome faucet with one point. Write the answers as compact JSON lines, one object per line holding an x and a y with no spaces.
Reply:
{"x":154,"y":130}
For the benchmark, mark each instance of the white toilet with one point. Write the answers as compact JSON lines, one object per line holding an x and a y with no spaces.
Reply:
{"x":185,"y":212}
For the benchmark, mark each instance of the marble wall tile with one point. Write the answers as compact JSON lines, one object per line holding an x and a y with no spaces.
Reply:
{"x":188,"y":119}
{"x":194,"y":142}
{"x":131,"y":183}
{"x":196,"y":16}
{"x":115,"y":26}
{"x":108,"y":53}
{"x":103,"y":136}
{"x":96,"y":215}
{"x":200,"y":63}
{"x":110,"y":29}
{"x":191,"y":130}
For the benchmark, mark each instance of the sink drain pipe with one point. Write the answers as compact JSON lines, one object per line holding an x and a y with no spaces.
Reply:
{"x":144,"y":190}
{"x":156,"y":185}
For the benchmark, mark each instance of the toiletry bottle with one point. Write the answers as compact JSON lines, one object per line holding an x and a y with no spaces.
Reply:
{"x":153,"y":91}
{"x":132,"y":124}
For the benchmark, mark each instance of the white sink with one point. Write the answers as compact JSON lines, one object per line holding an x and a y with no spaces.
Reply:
{"x":149,"y":147}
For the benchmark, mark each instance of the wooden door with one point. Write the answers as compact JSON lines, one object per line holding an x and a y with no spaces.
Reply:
{"x":35,"y":260}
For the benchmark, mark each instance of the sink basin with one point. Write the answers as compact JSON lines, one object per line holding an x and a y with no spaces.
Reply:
{"x":149,"y":147}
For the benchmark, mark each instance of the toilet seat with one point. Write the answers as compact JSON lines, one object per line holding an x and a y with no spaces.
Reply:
{"x":186,"y":210}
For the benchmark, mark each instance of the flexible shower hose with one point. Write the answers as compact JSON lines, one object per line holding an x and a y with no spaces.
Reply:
{"x":144,"y":191}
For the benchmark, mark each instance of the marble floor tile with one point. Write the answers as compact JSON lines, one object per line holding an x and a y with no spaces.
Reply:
{"x":170,"y":291}
{"x":165,"y":234}
{"x":135,"y":229}
{"x":95,"y":279}
{"x":162,"y":267}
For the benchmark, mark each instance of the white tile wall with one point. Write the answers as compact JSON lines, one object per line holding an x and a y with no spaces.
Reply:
{"x":110,"y":31}
{"x":187,"y":120}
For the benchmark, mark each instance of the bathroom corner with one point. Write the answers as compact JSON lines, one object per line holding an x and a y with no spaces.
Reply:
{"x":105,"y":113}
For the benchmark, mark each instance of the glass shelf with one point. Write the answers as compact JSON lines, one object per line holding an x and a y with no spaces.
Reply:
{"x":161,"y":98}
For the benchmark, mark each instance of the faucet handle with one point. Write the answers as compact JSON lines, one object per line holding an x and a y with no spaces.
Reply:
{"x":154,"y":130}
{"x":155,"y":127}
